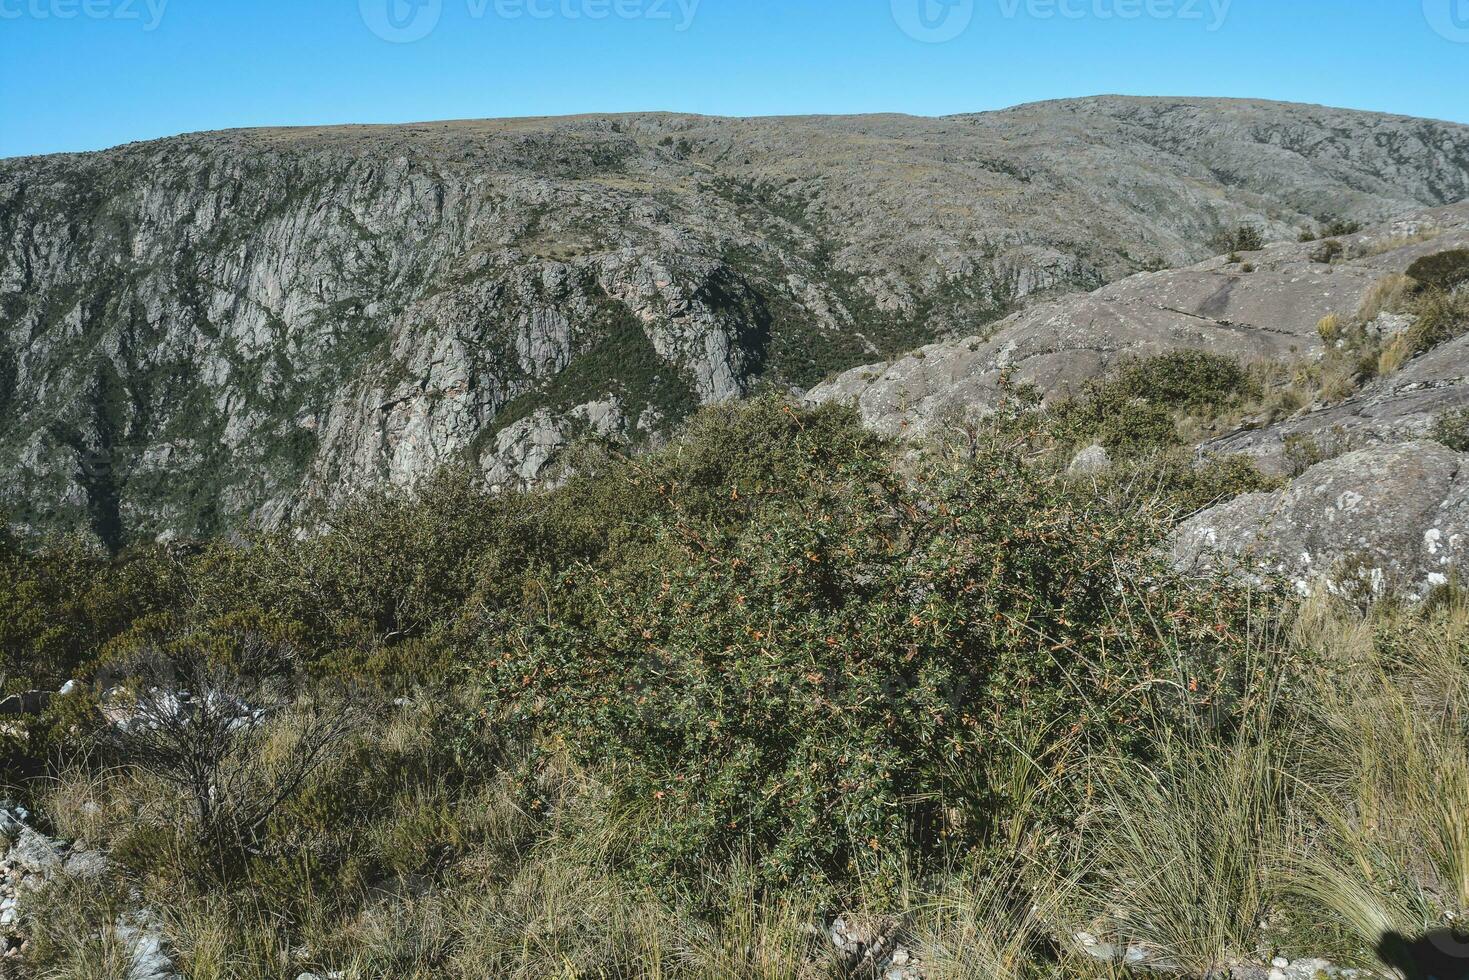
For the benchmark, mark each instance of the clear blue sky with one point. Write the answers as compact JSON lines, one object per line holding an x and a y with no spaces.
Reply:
{"x":85,"y":74}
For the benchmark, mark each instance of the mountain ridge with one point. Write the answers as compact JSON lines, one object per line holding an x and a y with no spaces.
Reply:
{"x":674,"y":114}
{"x":235,"y":326}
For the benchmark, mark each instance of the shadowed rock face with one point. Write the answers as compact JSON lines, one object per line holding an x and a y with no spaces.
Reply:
{"x":1269,"y":312}
{"x":1392,"y":518}
{"x":226,"y":326}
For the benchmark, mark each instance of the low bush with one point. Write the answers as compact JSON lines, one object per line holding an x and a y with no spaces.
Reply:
{"x":1137,"y":409}
{"x":1444,"y":271}
{"x":1328,"y":252}
{"x":1243,"y":238}
{"x":1452,"y":429}
{"x":793,"y":675}
{"x":61,"y":601}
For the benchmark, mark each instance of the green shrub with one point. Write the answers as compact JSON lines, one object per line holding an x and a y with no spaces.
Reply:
{"x":1244,"y":238}
{"x":1337,"y":227}
{"x":1445,"y":271}
{"x":1328,"y":252}
{"x":61,"y":601}
{"x":1136,"y":409}
{"x":1452,"y":429}
{"x":796,"y":673}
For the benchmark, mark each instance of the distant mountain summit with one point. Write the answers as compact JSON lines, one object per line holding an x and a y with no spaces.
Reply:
{"x":225,"y":327}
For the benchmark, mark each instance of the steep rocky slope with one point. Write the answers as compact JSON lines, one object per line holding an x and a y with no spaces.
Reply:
{"x":229,"y":326}
{"x":1259,"y":306}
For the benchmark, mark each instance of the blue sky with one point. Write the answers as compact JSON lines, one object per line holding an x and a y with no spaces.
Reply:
{"x":85,"y":74}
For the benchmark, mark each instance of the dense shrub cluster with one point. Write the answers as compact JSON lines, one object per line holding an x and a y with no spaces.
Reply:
{"x":59,"y":604}
{"x":1243,"y":238}
{"x":657,"y":720}
{"x":1445,"y":271}
{"x":782,"y":631}
{"x":800,"y":667}
{"x":1138,"y":407}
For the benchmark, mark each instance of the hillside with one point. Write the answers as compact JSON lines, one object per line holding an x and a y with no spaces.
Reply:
{"x":1262,"y":306}
{"x":232,"y":326}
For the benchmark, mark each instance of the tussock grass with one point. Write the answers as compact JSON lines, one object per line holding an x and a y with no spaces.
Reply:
{"x":984,"y":924}
{"x":1389,"y":294}
{"x":1381,"y":246}
{"x":1210,"y":775}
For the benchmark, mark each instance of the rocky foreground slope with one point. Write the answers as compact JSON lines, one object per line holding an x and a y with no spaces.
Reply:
{"x":230,"y":326}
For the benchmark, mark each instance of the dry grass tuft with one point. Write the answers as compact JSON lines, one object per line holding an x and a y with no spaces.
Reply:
{"x":1389,"y":294}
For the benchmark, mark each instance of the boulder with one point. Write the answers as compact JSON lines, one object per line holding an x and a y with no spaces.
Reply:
{"x":34,"y":853}
{"x":1091,"y":461}
{"x":1380,"y":520}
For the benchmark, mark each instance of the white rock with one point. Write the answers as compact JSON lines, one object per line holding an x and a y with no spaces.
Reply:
{"x":86,"y":864}
{"x":1090,"y":462}
{"x":35,"y":853}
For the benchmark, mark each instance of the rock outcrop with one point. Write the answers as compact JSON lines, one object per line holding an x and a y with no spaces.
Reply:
{"x":1267,"y":305}
{"x":29,"y":860}
{"x":232,"y":326}
{"x":1400,"y":407}
{"x":1392,"y":519}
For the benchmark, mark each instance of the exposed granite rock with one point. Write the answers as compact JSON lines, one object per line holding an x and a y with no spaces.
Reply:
{"x":1388,"y":519}
{"x":35,"y":854}
{"x":230,"y":326}
{"x":1090,"y":461}
{"x":523,"y":451}
{"x":1270,"y":312}
{"x":1400,"y":407}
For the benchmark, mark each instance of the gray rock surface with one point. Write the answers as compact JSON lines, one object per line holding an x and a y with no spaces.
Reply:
{"x":34,"y":853}
{"x":35,"y":859}
{"x":1400,"y":407}
{"x":524,"y":449}
{"x":1270,"y":312}
{"x":1387,"y":519}
{"x":1090,"y":461}
{"x":233,"y":326}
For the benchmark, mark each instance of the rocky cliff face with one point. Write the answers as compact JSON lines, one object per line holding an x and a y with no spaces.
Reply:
{"x":231,"y":326}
